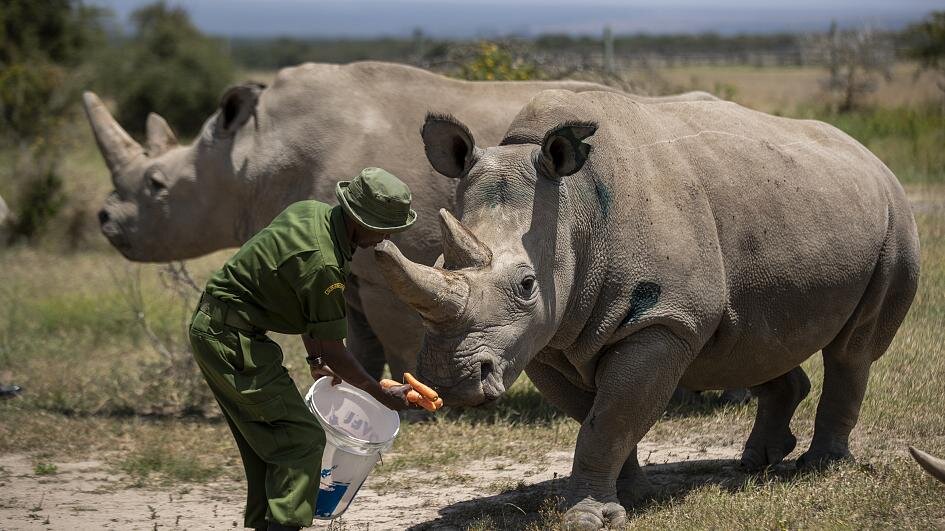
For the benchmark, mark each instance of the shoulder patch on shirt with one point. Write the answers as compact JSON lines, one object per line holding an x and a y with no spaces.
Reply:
{"x":333,"y":287}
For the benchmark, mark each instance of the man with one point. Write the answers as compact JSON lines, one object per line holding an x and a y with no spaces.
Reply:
{"x":290,"y":278}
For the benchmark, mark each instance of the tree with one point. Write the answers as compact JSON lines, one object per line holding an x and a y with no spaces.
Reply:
{"x":854,"y":59}
{"x":926,"y":44}
{"x":168,"y":67}
{"x":42,"y":45}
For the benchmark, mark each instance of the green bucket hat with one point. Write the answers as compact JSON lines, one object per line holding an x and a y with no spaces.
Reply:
{"x":377,"y":200}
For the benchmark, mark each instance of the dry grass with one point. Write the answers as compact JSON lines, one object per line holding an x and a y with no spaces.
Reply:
{"x":784,"y":90}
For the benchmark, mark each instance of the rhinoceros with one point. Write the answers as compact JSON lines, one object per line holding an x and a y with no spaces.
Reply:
{"x":268,"y":147}
{"x":933,"y":465}
{"x":613,"y":250}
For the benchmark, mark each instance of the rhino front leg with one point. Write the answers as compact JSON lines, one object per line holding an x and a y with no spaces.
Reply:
{"x":558,"y":389}
{"x":632,"y":484}
{"x":635,"y":379}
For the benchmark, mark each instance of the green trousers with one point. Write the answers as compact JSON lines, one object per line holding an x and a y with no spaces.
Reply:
{"x":279,"y":440}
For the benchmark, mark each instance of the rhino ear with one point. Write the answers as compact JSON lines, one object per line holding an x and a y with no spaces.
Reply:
{"x":160,"y":135}
{"x":563,"y":152}
{"x":236,"y":106}
{"x":450,"y":147}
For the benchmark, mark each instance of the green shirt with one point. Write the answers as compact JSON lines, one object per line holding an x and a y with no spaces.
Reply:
{"x":290,"y":277}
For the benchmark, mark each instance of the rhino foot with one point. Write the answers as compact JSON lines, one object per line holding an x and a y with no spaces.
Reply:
{"x":633,"y":491}
{"x":763,"y":454}
{"x":818,"y":459}
{"x":591,"y":515}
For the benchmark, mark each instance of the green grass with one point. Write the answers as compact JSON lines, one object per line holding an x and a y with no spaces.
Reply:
{"x":908,"y":139}
{"x":45,"y":469}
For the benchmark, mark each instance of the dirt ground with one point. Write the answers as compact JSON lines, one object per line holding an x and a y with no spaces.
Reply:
{"x":84,"y":495}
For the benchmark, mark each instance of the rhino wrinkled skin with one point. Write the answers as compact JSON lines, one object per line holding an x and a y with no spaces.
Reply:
{"x":268,"y":147}
{"x":613,"y":250}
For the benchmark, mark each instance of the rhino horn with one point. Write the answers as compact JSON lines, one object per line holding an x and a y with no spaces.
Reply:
{"x":115,"y":143}
{"x":461,"y":248}
{"x":932,"y":465}
{"x":160,"y":135}
{"x":437,"y":295}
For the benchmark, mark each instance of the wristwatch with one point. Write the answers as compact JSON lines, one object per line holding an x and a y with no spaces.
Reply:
{"x":314,"y":361}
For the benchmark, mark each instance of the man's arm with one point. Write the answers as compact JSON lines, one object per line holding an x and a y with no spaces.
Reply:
{"x":343,"y":363}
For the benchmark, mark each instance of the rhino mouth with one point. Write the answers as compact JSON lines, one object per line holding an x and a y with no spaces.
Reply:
{"x":115,"y":235}
{"x":480,"y":384}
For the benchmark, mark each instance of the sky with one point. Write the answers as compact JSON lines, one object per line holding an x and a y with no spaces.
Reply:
{"x":465,"y":19}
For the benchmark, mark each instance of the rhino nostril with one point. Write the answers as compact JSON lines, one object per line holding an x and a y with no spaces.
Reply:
{"x":485,"y":370}
{"x":102,"y":216}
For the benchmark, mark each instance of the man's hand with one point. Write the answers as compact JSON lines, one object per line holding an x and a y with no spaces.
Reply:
{"x":325,"y":370}
{"x":344,"y":365}
{"x":395,"y":397}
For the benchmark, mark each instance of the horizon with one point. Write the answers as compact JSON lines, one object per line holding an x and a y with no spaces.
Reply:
{"x":454,"y":19}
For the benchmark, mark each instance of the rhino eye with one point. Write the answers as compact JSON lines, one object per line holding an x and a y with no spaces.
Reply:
{"x":526,"y":288}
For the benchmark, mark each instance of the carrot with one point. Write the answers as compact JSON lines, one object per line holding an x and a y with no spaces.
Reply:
{"x":438,"y":402}
{"x":427,"y":404}
{"x":427,"y":393}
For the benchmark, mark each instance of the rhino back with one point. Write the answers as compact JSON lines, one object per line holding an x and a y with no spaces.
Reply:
{"x":319,"y":123}
{"x":752,"y":236}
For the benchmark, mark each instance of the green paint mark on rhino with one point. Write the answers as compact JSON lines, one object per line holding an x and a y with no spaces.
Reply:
{"x":644,"y":297}
{"x":604,"y":196}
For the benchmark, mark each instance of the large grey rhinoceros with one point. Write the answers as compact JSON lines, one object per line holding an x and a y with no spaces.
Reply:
{"x":613,"y":250}
{"x":268,"y":147}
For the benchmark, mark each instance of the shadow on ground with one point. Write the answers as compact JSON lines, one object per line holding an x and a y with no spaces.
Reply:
{"x":537,"y":504}
{"x":527,"y":406}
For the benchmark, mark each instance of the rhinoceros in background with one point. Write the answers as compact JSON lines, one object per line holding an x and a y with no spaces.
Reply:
{"x":613,"y":250}
{"x":932,"y":465}
{"x":268,"y":147}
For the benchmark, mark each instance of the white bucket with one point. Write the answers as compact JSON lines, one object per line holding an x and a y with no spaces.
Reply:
{"x":357,"y":429}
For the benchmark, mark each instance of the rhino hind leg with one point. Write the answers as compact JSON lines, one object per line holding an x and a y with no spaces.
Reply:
{"x":863,"y":339}
{"x":771,"y":439}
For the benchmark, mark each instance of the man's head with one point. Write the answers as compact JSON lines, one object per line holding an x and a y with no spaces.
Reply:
{"x":376,"y":204}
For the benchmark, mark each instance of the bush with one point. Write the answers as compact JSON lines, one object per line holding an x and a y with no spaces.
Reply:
{"x":491,"y":62}
{"x":168,"y":67}
{"x":42,"y":48}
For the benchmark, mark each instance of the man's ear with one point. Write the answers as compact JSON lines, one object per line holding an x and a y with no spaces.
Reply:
{"x":236,"y":106}
{"x":450,"y":147}
{"x":563,"y":152}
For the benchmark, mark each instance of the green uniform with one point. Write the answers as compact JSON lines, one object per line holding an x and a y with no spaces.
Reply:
{"x":288,"y":278}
